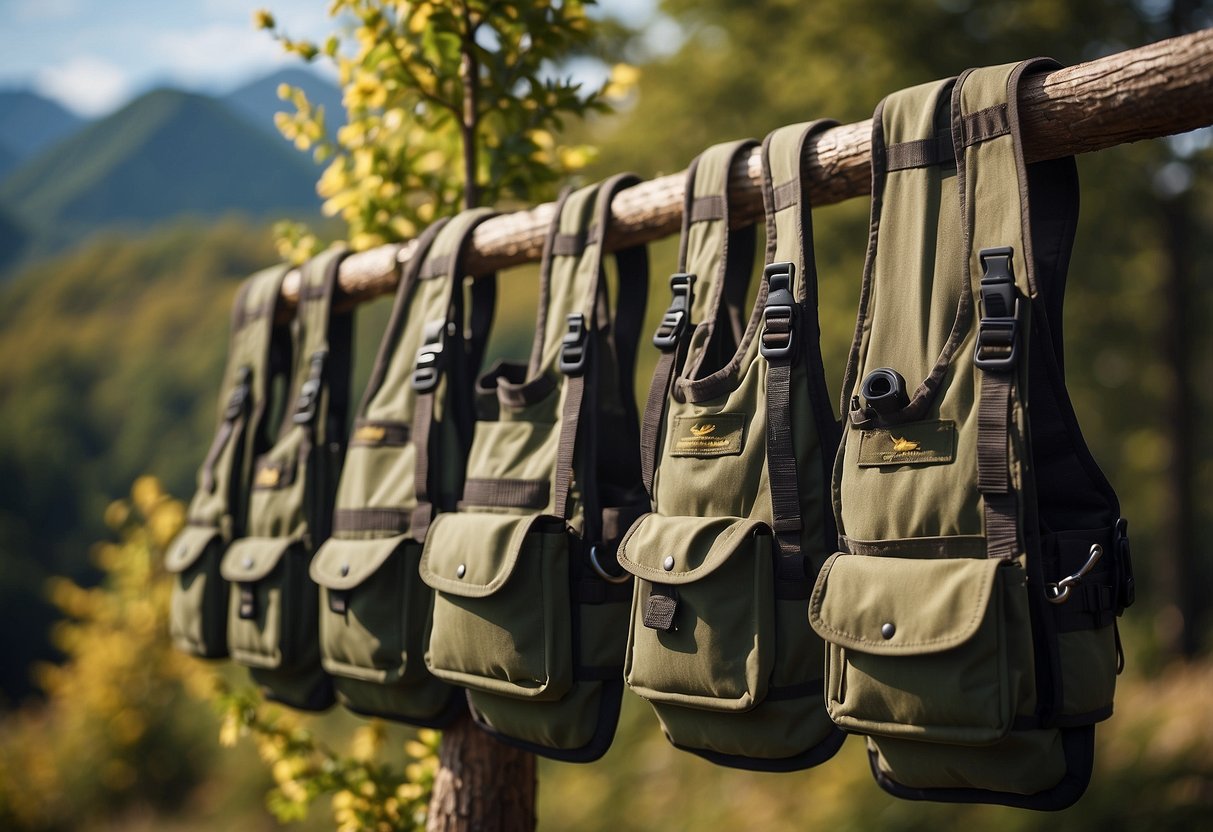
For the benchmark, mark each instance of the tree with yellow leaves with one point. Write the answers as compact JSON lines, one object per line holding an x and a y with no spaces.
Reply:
{"x":450,"y":104}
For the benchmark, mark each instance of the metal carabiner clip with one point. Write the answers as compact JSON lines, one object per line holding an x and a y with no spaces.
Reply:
{"x":622,"y":578}
{"x":1059,"y":592}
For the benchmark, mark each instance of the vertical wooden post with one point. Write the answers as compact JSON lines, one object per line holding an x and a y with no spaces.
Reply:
{"x":482,"y":785}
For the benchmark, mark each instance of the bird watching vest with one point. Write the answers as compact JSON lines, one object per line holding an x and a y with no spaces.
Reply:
{"x":738,"y":440}
{"x":272,"y":609}
{"x":405,"y":461}
{"x":970,"y":613}
{"x":259,"y":352}
{"x":530,"y":613}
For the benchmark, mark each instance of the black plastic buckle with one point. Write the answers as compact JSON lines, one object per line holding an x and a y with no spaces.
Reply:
{"x":573,"y":351}
{"x":674,"y":321}
{"x":997,"y":348}
{"x":780,"y":313}
{"x":240,"y":395}
{"x":248,"y":601}
{"x":1126,"y":588}
{"x":309,"y":393}
{"x":429,"y":356}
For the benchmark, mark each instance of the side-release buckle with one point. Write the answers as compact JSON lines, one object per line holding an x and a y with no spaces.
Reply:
{"x":573,"y":351}
{"x":674,"y":321}
{"x":997,"y":348}
{"x":780,"y":313}
{"x":309,"y":393}
{"x":240,"y":394}
{"x":429,"y":356}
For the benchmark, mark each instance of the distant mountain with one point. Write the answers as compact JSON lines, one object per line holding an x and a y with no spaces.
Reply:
{"x":30,"y":123}
{"x":12,"y":240}
{"x":258,"y":100}
{"x":165,"y":154}
{"x":8,"y":160}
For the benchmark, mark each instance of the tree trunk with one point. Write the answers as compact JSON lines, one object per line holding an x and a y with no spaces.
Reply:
{"x":482,"y":785}
{"x":1156,"y":90}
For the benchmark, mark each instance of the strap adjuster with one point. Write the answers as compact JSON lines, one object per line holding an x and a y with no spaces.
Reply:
{"x":309,"y":392}
{"x":240,"y":395}
{"x":573,"y":352}
{"x":674,"y":321}
{"x":429,"y":356}
{"x":1126,"y":587}
{"x":997,"y":348}
{"x":780,"y":313}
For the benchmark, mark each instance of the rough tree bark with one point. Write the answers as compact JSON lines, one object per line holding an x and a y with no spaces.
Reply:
{"x":1156,"y":90}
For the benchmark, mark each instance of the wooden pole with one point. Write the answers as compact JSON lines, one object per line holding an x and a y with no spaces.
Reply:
{"x":1156,"y":90}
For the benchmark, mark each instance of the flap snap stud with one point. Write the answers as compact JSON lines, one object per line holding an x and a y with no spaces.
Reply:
{"x":887,"y":630}
{"x":668,"y":563}
{"x":345,"y":569}
{"x":247,"y":563}
{"x":461,"y":570}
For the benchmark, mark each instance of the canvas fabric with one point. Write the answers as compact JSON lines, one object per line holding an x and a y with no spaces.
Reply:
{"x":526,"y":616}
{"x":970,"y":612}
{"x":740,"y":436}
{"x":405,"y":462}
{"x":273,"y":603}
{"x":258,"y":352}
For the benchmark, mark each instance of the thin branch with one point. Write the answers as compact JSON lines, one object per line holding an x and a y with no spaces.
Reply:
{"x":1156,"y":90}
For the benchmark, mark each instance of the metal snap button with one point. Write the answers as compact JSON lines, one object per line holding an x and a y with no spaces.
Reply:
{"x":461,"y":570}
{"x":345,"y":569}
{"x":887,"y":630}
{"x":668,"y":563}
{"x":248,"y":563}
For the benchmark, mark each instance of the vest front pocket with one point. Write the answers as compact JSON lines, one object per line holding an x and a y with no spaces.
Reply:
{"x":703,"y":611}
{"x":932,"y":650}
{"x":272,"y":604}
{"x":502,"y":620}
{"x":198,"y":606}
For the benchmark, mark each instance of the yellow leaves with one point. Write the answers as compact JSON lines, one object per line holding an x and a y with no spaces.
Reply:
{"x":262,"y":19}
{"x":367,"y":742}
{"x":229,"y":730}
{"x":623,"y":80}
{"x":146,"y":494}
{"x":573,"y":159}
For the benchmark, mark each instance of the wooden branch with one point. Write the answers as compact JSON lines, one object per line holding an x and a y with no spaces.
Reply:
{"x":1157,"y":90}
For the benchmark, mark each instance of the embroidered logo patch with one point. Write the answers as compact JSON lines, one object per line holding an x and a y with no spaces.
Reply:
{"x":918,"y":443}
{"x":708,"y":436}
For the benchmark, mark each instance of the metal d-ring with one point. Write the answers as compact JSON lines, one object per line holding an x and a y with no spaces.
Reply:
{"x":622,"y":578}
{"x":1059,"y":592}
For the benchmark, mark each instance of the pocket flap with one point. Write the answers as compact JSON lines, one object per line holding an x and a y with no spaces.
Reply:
{"x":901,"y":606}
{"x":188,"y":546}
{"x":344,"y":564}
{"x":472,"y":555}
{"x":250,"y":559}
{"x":680,"y":550}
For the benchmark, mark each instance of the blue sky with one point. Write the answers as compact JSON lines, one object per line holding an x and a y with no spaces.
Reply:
{"x":93,"y":55}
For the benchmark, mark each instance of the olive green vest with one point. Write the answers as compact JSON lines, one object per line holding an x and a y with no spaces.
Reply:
{"x":526,"y":615}
{"x":970,"y":616}
{"x":272,"y":610}
{"x":258,"y":352}
{"x":740,"y":436}
{"x":405,"y":460}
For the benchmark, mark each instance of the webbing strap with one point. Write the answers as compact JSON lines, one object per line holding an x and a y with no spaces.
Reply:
{"x":789,"y":330}
{"x":714,"y":265}
{"x":444,"y":338}
{"x":579,"y":361}
{"x":993,"y":477}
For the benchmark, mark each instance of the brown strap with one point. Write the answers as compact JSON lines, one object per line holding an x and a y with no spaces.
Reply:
{"x":506,"y":493}
{"x":567,"y":444}
{"x":391,"y":520}
{"x":654,"y":412}
{"x":993,"y":464}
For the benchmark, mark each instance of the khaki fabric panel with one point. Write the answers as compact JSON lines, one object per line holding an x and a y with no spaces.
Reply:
{"x":1025,"y":762}
{"x":419,"y":701}
{"x":521,"y":445}
{"x":703,"y":254}
{"x":909,"y":320}
{"x":739,"y":485}
{"x":566,"y":724}
{"x":277,"y":503}
{"x":569,"y":280}
{"x":198,"y":605}
{"x":773,"y":731}
{"x":378,"y":477}
{"x":1088,"y":668}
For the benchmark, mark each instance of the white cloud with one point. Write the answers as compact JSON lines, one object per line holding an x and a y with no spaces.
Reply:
{"x":88,"y":85}
{"x":215,"y":52}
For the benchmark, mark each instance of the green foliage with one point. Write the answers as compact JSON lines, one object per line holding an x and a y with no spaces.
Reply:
{"x":368,"y":795}
{"x":116,"y":717}
{"x":450,"y":102}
